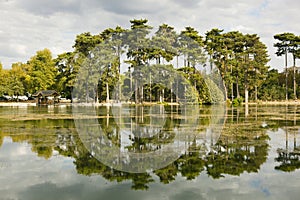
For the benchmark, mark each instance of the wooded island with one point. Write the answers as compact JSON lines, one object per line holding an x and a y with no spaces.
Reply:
{"x":239,"y":59}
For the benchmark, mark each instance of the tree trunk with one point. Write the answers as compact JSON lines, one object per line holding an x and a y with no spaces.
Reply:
{"x":177,"y":89}
{"x":142,"y":94}
{"x":246,"y":87}
{"x":237,"y":88}
{"x":97,"y":96}
{"x":130,"y":76}
{"x":160,"y":97}
{"x":135,"y":92}
{"x":246,"y":83}
{"x":107,"y":93}
{"x":246,"y":101}
{"x":119,"y":77}
{"x":246,"y":94}
{"x":256,"y":94}
{"x":223,"y":79}
{"x":86,"y":91}
{"x":231,"y":91}
{"x":294,"y":76}
{"x":225,"y":88}
{"x":171,"y":94}
{"x":120,"y":92}
{"x":177,"y":65}
{"x":150,"y":89}
{"x":163,"y":95}
{"x":286,"y":76}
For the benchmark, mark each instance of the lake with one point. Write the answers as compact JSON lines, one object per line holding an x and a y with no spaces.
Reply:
{"x":149,"y":152}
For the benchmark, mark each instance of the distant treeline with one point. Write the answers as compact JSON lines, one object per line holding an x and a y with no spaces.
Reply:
{"x":239,"y":59}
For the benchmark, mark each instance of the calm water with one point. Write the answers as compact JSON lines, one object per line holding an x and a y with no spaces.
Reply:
{"x":204,"y":153}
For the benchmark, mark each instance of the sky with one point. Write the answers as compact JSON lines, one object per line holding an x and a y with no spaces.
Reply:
{"x":32,"y":25}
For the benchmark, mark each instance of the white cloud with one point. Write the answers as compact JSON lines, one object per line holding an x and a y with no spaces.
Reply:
{"x":32,"y":25}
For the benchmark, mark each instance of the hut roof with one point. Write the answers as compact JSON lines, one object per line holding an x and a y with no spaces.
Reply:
{"x":45,"y":93}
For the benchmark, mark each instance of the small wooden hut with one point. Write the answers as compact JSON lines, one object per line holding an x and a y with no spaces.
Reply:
{"x":46,"y":97}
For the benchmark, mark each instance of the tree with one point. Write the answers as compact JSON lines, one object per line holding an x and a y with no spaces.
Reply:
{"x":85,"y":42}
{"x":87,"y":75}
{"x":137,"y":42}
{"x":248,"y":62}
{"x":294,"y":49}
{"x":197,"y":80}
{"x":138,"y":52}
{"x":234,"y":43}
{"x":163,"y":48}
{"x":42,"y":71}
{"x":163,"y":44}
{"x":191,"y":47}
{"x":67,"y":65}
{"x":116,"y":39}
{"x":261,"y":58}
{"x":3,"y":80}
{"x":17,"y":79}
{"x":218,"y":52}
{"x":283,"y":47}
{"x":239,"y":58}
{"x":100,"y":67}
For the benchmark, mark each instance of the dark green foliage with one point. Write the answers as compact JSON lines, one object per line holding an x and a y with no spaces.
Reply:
{"x":237,"y":102}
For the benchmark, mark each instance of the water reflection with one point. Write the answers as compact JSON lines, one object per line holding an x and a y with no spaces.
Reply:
{"x":138,"y":139}
{"x":289,"y":156}
{"x":243,"y":147}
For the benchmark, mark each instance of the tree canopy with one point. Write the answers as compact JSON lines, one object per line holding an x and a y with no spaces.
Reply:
{"x":239,"y":59}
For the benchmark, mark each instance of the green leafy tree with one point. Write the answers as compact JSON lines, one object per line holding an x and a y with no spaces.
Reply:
{"x":138,"y":46}
{"x":255,"y":59}
{"x":17,"y":79}
{"x":294,"y":49}
{"x":42,"y":71}
{"x":234,"y":72}
{"x":115,"y":38}
{"x":283,"y":47}
{"x":239,"y":58}
{"x":99,"y":70}
{"x":271,"y":88}
{"x":218,"y":52}
{"x":85,"y":42}
{"x":138,"y":43}
{"x":67,"y":65}
{"x":163,"y":44}
{"x":197,"y":80}
{"x":260,"y":68}
{"x":3,"y":80}
{"x":191,"y":47}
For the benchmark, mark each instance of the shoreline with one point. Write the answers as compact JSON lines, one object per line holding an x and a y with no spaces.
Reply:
{"x":25,"y":104}
{"x":274,"y":103}
{"x":17,"y":104}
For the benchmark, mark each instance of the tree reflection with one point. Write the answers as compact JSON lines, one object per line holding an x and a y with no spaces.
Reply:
{"x":289,"y":158}
{"x":243,"y":146}
{"x":234,"y":157}
{"x":87,"y":165}
{"x":191,"y":163}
